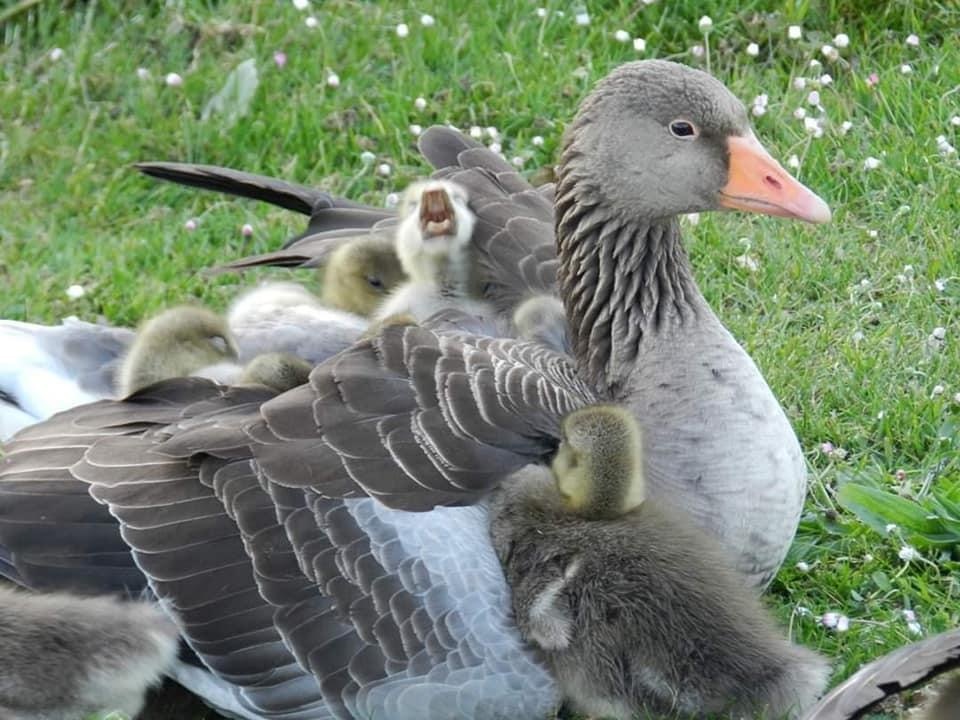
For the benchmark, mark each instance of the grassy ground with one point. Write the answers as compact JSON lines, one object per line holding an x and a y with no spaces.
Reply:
{"x":841,"y":319}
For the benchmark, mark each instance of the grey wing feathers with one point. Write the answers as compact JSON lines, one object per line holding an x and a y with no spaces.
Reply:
{"x":892,"y":673}
{"x":291,"y":196}
{"x":413,"y":418}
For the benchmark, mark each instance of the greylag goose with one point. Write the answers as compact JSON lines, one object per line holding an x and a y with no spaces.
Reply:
{"x":372,"y":610}
{"x":65,"y":656}
{"x":360,"y":274}
{"x":904,"y":668}
{"x":178,"y":342}
{"x":634,"y":609}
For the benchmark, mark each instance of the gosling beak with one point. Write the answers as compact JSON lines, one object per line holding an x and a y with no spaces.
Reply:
{"x":437,"y":216}
{"x":758,"y":183}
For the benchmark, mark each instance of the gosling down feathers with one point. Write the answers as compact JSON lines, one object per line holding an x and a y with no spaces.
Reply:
{"x":634,"y":608}
{"x":303,"y":582}
{"x":65,"y":656}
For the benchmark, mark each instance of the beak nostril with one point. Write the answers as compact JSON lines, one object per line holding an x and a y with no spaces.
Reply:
{"x":773,"y":182}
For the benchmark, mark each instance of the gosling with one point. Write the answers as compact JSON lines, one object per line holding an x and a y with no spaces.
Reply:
{"x":360,"y":275}
{"x":635,"y":610}
{"x":178,"y":342}
{"x":64,"y":656}
{"x":433,"y":242}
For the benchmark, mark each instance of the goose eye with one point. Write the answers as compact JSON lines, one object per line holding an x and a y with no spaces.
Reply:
{"x":375,"y":282}
{"x":219,"y":344}
{"x":682,"y":129}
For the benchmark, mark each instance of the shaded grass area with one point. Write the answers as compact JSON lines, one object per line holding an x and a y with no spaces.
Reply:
{"x":841,"y":318}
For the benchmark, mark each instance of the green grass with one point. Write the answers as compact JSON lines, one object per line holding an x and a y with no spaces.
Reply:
{"x":849,"y":359}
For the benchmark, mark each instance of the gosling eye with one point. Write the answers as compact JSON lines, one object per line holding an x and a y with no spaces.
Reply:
{"x":219,"y":344}
{"x":683,"y":129}
{"x":375,"y":282}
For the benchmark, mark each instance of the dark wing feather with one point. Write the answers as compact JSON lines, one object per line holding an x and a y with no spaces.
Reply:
{"x":414,"y":418}
{"x":891,"y":674}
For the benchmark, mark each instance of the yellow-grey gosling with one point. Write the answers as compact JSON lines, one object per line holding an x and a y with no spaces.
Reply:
{"x":360,"y":275}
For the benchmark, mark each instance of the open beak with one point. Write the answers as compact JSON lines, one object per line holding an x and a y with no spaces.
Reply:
{"x":437,"y":216}
{"x":758,"y":183}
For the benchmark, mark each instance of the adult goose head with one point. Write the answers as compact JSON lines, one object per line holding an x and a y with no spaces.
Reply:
{"x":263,"y":544}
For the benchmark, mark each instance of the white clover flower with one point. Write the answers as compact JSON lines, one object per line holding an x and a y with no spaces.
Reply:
{"x":541,"y":12}
{"x":621,"y":36}
{"x":955,"y":121}
{"x":280,"y":58}
{"x":889,"y":528}
{"x":794,"y":32}
{"x":830,"y":619}
{"x":842,"y":40}
{"x":427,"y":20}
{"x":803,"y":567}
{"x":944,"y":146}
{"x":415,"y":130}
{"x":190,"y":225}
{"x":811,"y":125}
{"x":753,"y":49}
{"x":697,"y":51}
{"x":384,"y":169}
{"x":495,"y":147}
{"x":75,"y":292}
{"x":956,"y":398}
{"x":301,"y":4}
{"x":143,"y":73}
{"x":56,"y":54}
{"x":868,"y":558}
{"x":799,"y":113}
{"x":913,"y":40}
{"x":793,"y":162}
{"x":814,"y":98}
{"x":537,"y":140}
{"x":826,"y":79}
{"x":420,"y":104}
{"x":845,"y":126}
{"x":367,"y":157}
{"x":940,"y":284}
{"x":402,"y":30}
{"x":799,"y":83}
{"x":827,"y":447}
{"x":391,"y":200}
{"x":843,"y":623}
{"x":872,"y":233}
{"x":173,"y":80}
{"x":759,"y":110}
{"x":692,"y":218}
{"x":939,"y":333}
{"x":761,"y":100}
{"x":246,"y":230}
{"x":908,"y":553}
{"x":649,"y":2}
{"x":857,"y":337}
{"x":333,"y":80}
{"x":705,"y":24}
{"x":937,"y":391}
{"x":582,"y":18}
{"x":639,"y":44}
{"x":914,"y":628}
{"x":492,"y":132}
{"x":476,"y":131}
{"x":815,"y":64}
{"x":517,"y":161}
{"x":311,"y":22}
{"x":871,"y":163}
{"x":829,"y":52}
{"x":747,"y":262}
{"x":906,"y":69}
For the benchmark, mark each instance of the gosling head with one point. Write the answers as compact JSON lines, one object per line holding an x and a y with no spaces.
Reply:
{"x":436,"y":223}
{"x":598,"y":466}
{"x":176,"y":343}
{"x":361,"y":273}
{"x":277,"y":370}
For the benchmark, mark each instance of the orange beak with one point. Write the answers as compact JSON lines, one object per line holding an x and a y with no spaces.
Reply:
{"x":759,"y":184}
